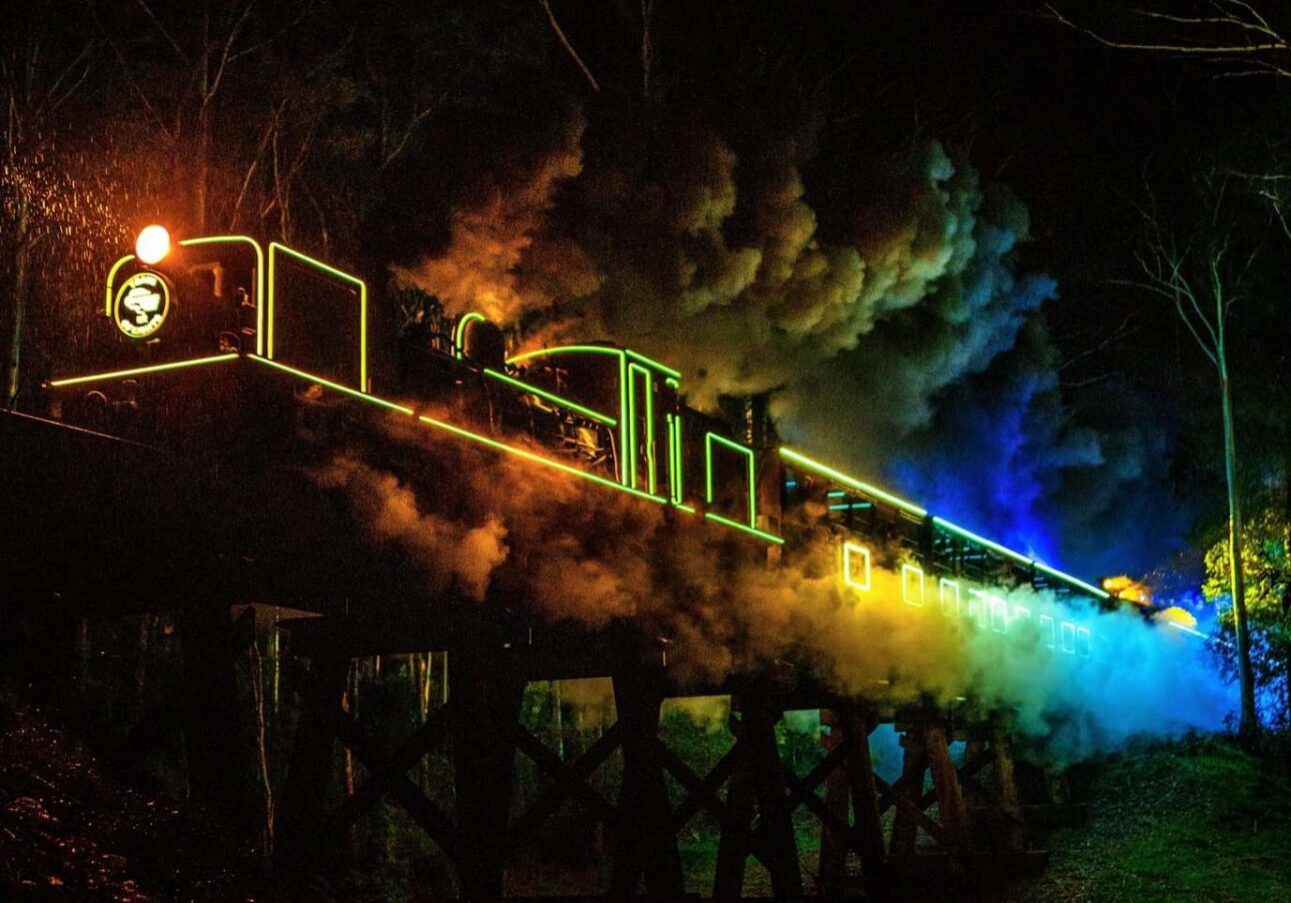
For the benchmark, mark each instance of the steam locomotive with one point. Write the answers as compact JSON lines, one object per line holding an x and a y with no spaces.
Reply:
{"x":597,"y":412}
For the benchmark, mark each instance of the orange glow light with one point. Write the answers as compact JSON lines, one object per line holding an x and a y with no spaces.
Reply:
{"x":152,"y":245}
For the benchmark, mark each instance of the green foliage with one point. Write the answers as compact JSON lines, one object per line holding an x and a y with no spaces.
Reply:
{"x":1266,"y":540}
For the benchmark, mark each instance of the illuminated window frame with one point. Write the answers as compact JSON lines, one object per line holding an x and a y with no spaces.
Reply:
{"x":1000,"y":607}
{"x":1049,"y":631}
{"x":276,"y":248}
{"x":850,"y":549}
{"x":906,"y":571}
{"x":633,"y":369}
{"x":1021,"y":613}
{"x":1087,"y":635}
{"x":260,"y":276}
{"x":978,"y":605}
{"x":751,"y":527}
{"x":1067,"y":628}
{"x":942,"y":585}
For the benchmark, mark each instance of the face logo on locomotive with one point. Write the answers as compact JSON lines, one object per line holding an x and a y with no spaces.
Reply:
{"x":142,"y":303}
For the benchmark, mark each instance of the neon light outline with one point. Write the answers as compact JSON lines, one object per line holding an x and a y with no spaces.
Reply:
{"x":1081,"y":584}
{"x":651,"y":479}
{"x":708,"y":462}
{"x":551,"y":396}
{"x":459,"y":331}
{"x":353,"y":393}
{"x":1049,"y":638}
{"x":1021,"y":612}
{"x":736,"y":525}
{"x":165,"y":305}
{"x":906,"y":570}
{"x":1089,"y":642}
{"x":538,"y":459}
{"x":1068,"y":628}
{"x":260,"y":277}
{"x":982,"y":540}
{"x":140,"y":371}
{"x":942,"y":584}
{"x":662,"y":368}
{"x":848,"y":549}
{"x":978,"y":605}
{"x":840,"y":477}
{"x":332,"y":271}
{"x":1000,"y":607}
{"x":674,"y":450}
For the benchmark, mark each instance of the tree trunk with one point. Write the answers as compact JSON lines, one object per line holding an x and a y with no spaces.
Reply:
{"x":1249,"y":720}
{"x":21,"y":279}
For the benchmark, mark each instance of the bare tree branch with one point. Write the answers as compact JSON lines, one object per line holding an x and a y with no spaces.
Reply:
{"x":551,"y":17}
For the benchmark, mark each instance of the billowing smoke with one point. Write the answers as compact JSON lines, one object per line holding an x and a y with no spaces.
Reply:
{"x":510,"y":531}
{"x":883,"y":339}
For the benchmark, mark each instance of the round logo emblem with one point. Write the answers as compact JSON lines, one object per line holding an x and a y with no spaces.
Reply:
{"x":142,"y":304}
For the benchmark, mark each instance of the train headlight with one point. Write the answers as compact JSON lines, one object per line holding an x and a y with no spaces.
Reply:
{"x":152,"y":245}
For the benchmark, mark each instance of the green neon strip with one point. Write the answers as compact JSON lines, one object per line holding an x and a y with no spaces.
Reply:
{"x":538,"y":459}
{"x":627,"y":454}
{"x":836,"y":494}
{"x":736,"y":525}
{"x":275,"y":247}
{"x":840,"y":477}
{"x":648,"y":386}
{"x":140,"y":371}
{"x":353,"y":393}
{"x":1087,"y":587}
{"x":983,"y":541}
{"x":551,"y":396}
{"x":674,"y":451}
{"x":459,"y":331}
{"x":662,"y":368}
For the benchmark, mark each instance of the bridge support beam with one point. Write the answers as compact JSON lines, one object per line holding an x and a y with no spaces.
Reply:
{"x":646,"y":842}
{"x":758,"y":803}
{"x":486,"y":699}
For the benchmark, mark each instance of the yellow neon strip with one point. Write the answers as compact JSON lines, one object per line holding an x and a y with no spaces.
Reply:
{"x":849,"y":549}
{"x":627,"y":454}
{"x":736,"y":525}
{"x":140,"y":371}
{"x":567,"y":349}
{"x":840,"y":477}
{"x":331,"y":271}
{"x":112,"y":275}
{"x":552,"y":397}
{"x":353,"y":393}
{"x":538,"y":459}
{"x":648,"y":386}
{"x":1081,"y":584}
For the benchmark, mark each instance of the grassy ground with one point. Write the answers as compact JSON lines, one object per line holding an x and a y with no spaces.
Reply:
{"x":1196,"y":822}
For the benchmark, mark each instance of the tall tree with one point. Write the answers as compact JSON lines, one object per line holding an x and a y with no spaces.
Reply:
{"x":1203,"y":275}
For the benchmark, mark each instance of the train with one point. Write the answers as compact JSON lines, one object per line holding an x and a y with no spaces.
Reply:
{"x":596,"y":411}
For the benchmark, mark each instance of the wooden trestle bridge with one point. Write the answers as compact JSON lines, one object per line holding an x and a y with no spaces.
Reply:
{"x":110,"y":525}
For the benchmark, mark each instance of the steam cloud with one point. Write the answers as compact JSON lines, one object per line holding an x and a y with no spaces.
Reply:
{"x":865,"y":335}
{"x":511,"y":531}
